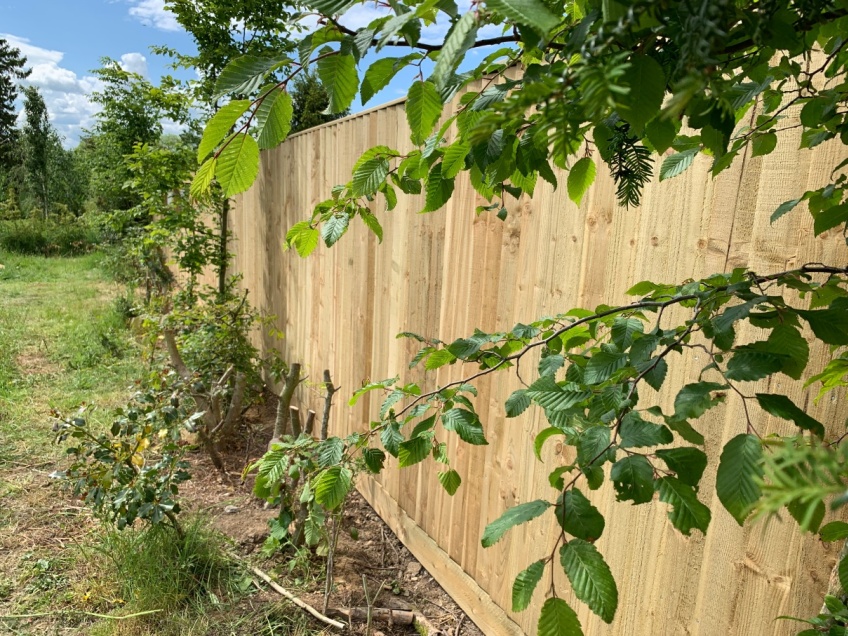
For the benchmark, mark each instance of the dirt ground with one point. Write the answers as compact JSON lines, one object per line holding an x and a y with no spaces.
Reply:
{"x":366,"y":546}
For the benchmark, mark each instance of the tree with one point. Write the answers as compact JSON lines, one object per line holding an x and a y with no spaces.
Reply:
{"x":309,"y":103}
{"x":612,"y":82}
{"x":38,"y":136}
{"x":223,"y":30}
{"x":12,"y":65}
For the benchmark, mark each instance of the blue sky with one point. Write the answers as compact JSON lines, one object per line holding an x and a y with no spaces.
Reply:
{"x":65,"y":39}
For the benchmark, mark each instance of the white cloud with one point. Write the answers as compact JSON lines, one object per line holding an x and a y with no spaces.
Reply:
{"x":134,"y":63}
{"x":153,"y":13}
{"x":65,"y":93}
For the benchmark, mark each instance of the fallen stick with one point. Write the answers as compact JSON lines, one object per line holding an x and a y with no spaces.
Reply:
{"x":388,"y":616}
{"x":283,"y":591}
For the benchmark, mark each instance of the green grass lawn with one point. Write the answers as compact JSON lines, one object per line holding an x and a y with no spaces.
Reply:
{"x":64,"y":343}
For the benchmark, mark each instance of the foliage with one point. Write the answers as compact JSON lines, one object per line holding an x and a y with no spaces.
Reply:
{"x":48,"y":238}
{"x":309,"y":103}
{"x":12,"y":67}
{"x":36,"y":140}
{"x":611,"y":83}
{"x":133,"y":470}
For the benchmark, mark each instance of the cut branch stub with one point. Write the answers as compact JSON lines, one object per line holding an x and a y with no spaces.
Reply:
{"x":281,"y":425}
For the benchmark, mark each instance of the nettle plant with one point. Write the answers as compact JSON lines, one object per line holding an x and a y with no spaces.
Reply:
{"x":640,"y":87}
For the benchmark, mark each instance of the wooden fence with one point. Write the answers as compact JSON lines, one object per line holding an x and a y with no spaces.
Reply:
{"x":445,"y":273}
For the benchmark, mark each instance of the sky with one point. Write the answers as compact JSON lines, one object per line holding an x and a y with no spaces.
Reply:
{"x":64,"y":40}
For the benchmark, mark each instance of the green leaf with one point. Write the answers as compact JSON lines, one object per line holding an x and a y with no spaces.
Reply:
{"x":656,"y":374}
{"x":454,"y":159}
{"x":748,"y":364}
{"x":661,"y":133}
{"x":677,"y":163}
{"x":525,"y":584}
{"x":580,"y":178}
{"x":450,"y":480}
{"x":423,"y":109}
{"x":603,"y":365}
{"x":219,"y":126}
{"x":374,"y":459}
{"x":689,"y":463}
{"x":764,"y":144}
{"x":331,"y":7}
{"x":783,"y":208}
{"x":245,"y":74}
{"x":687,"y":512}
{"x":368,"y":176}
{"x":808,"y":513}
{"x":391,"y":438}
{"x":517,"y":403}
{"x":551,"y":396}
{"x":739,"y":473}
{"x":203,"y":178}
{"x":593,"y":445}
{"x":413,"y":451}
{"x":645,"y":79}
{"x":558,"y":619}
{"x":378,"y":76}
{"x":332,"y":486}
{"x":372,"y":223}
{"x":578,"y":517}
{"x":633,"y":478}
{"x":330,"y":451}
{"x":784,"y":408}
{"x":456,"y":45}
{"x":550,"y":364}
{"x":238,"y":164}
{"x":339,"y":77}
{"x":830,"y":218}
{"x":439,"y":189}
{"x":465,"y":424}
{"x":539,"y":442}
{"x":439,"y":358}
{"x":590,"y":577}
{"x":637,"y":433}
{"x":694,"y":399}
{"x":303,"y":237}
{"x":834,"y":531}
{"x":532,"y":13}
{"x":334,"y":228}
{"x":787,"y":340}
{"x":829,"y":325}
{"x":514,"y":516}
{"x":273,"y":119}
{"x":624,"y":330}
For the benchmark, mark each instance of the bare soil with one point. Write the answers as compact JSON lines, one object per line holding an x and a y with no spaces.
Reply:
{"x":366,"y":546}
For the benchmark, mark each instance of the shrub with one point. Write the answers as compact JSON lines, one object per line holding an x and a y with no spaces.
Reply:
{"x":48,"y":238}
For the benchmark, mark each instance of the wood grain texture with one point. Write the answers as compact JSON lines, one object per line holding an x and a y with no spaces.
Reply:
{"x":445,"y":273}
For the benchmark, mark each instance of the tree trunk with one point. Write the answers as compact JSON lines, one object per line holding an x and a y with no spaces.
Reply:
{"x":223,"y":254}
{"x":281,"y":425}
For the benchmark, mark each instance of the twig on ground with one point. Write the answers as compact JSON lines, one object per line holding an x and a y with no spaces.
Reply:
{"x":301,"y":604}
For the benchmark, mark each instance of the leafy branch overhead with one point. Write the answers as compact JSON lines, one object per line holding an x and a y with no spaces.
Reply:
{"x":643,"y":89}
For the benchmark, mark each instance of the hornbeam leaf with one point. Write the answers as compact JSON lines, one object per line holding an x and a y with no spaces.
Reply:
{"x":633,"y":478}
{"x":739,"y":472}
{"x":369,"y":176}
{"x":219,"y":126}
{"x":558,"y":619}
{"x":439,"y":189}
{"x":332,"y":486}
{"x":413,"y":451}
{"x":238,"y":164}
{"x":687,"y":462}
{"x":423,"y":108}
{"x":749,"y":364}
{"x":273,"y":119}
{"x":203,"y":178}
{"x":245,"y":74}
{"x":646,"y":80}
{"x":379,"y":74}
{"x":532,"y":13}
{"x":842,"y":572}
{"x":551,"y":396}
{"x":590,"y":577}
{"x":454,"y":159}
{"x":465,"y":424}
{"x":636,"y":432}
{"x":580,"y":178}
{"x":578,"y":517}
{"x":687,"y":512}
{"x":834,"y":531}
{"x":338,"y":75}
{"x":525,"y":584}
{"x":784,"y":408}
{"x":303,"y":237}
{"x":677,"y":163}
{"x":522,"y":513}
{"x":693,"y":399}
{"x":331,"y":7}
{"x":450,"y":480}
{"x":374,"y":459}
{"x":459,"y":40}
{"x":517,"y":403}
{"x":334,"y":228}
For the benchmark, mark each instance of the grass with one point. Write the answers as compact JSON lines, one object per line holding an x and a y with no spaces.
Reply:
{"x":64,"y":343}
